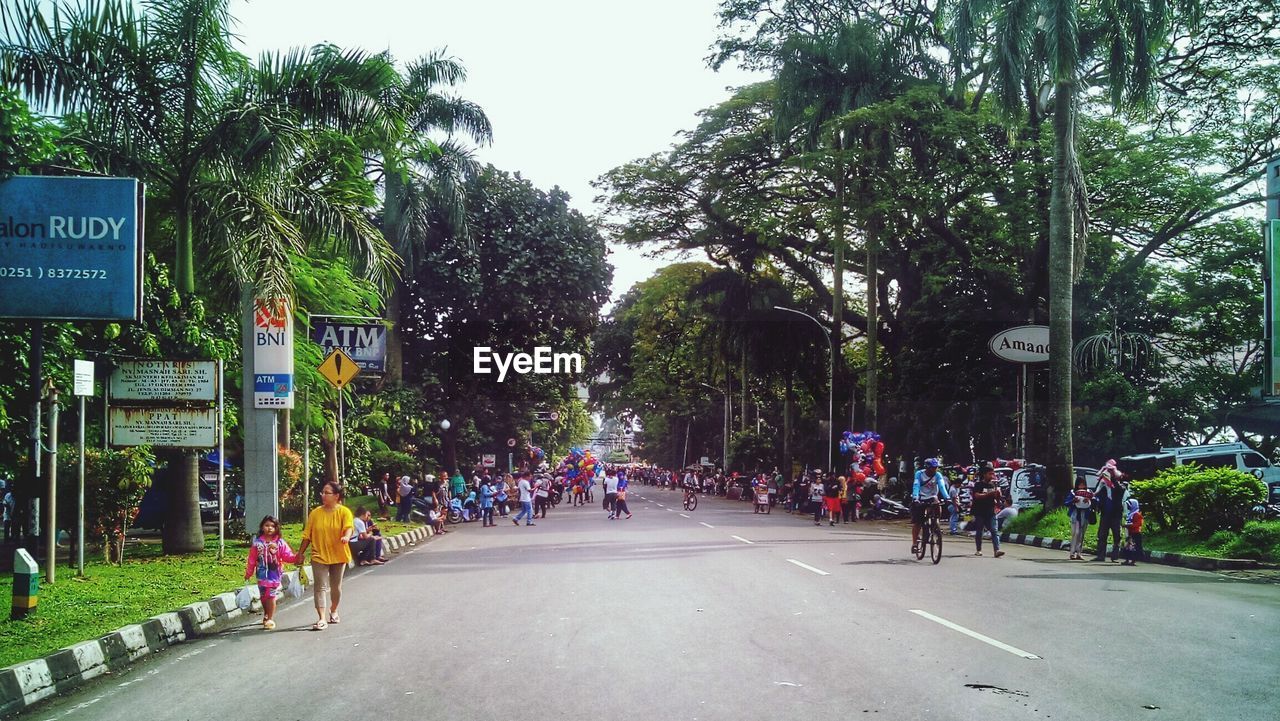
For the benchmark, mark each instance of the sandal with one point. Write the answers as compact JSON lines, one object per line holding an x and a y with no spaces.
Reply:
{"x":319,"y":626}
{"x":333,"y":618}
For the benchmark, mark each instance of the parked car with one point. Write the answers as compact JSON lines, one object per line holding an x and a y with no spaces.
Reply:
{"x":1025,"y":487}
{"x":1214,"y":455}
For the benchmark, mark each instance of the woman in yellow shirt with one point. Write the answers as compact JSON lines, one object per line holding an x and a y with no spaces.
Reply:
{"x":326,"y":533}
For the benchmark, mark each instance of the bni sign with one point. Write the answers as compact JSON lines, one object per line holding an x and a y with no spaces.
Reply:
{"x":272,"y":354}
{"x":70,"y":248}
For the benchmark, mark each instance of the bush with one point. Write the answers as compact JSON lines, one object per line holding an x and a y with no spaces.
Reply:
{"x":1201,"y":500}
{"x":1156,"y":495}
{"x":1220,"y":539}
{"x":394,"y":462}
{"x":115,"y":482}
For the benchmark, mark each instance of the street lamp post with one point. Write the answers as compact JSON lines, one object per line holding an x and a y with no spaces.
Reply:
{"x":831,"y":379}
{"x":724,"y":459}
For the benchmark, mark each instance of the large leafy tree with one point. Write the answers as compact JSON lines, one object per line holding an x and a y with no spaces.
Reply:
{"x":533,"y":274}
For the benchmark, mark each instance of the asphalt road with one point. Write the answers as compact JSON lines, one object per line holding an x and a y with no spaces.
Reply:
{"x":724,"y":614}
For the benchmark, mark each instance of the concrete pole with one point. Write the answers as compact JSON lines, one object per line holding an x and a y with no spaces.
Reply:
{"x":261,"y":475}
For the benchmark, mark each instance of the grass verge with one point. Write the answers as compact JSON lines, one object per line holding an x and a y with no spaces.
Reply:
{"x":108,"y":597}
{"x":1258,"y":540}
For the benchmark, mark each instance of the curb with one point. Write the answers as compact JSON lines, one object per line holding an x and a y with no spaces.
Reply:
{"x":1202,"y":563}
{"x":25,"y":684}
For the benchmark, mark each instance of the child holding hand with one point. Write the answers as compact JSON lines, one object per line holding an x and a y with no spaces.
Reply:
{"x":267,"y":557}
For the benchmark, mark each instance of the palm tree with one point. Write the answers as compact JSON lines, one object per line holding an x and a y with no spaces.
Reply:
{"x":239,"y":153}
{"x":823,"y":77}
{"x":423,"y":179}
{"x":1050,"y":41}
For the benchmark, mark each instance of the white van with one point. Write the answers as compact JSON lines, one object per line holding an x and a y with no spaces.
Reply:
{"x":1214,"y":455}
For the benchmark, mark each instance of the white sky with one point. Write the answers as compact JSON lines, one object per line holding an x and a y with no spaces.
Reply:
{"x":573,"y":87}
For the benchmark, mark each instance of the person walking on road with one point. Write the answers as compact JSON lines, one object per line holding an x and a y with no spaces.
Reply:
{"x":831,"y":499}
{"x":816,"y":493}
{"x":267,"y":557}
{"x":985,"y":493}
{"x":611,"y":493}
{"x":620,"y":505}
{"x":1108,"y":495}
{"x":486,"y":504}
{"x":326,"y":532}
{"x":1080,"y":511}
{"x":526,"y":500}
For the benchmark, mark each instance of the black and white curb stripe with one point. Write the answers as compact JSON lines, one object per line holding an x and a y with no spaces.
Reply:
{"x":25,"y":684}
{"x":1172,"y":559}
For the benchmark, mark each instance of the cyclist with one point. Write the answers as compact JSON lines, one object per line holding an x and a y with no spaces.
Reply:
{"x":928,"y":488}
{"x":690,"y":487}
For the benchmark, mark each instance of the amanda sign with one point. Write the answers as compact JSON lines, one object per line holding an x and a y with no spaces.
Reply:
{"x":1023,"y":344}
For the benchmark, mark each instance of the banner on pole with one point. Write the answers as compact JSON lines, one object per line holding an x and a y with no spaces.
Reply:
{"x":272,"y":354}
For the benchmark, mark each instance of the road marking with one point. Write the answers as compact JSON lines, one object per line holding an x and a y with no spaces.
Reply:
{"x":708,"y":525}
{"x":661,"y":506}
{"x":806,"y":566}
{"x":684,"y":515}
{"x":975,"y":634}
{"x":740,"y":538}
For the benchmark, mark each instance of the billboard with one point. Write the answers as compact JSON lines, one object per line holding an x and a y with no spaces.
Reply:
{"x":70,"y":248}
{"x":165,"y":380}
{"x":364,"y":343}
{"x":169,"y":427}
{"x":272,"y":354}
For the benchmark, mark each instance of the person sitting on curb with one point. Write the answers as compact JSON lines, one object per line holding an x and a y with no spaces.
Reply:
{"x":366,"y":542}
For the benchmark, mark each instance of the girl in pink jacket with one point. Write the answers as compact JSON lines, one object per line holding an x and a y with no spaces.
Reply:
{"x":267,"y":557}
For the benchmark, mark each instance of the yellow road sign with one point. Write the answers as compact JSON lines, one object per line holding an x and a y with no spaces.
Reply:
{"x":339,"y":369}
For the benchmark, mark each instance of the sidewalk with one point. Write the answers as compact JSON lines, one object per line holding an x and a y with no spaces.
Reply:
{"x":25,"y":684}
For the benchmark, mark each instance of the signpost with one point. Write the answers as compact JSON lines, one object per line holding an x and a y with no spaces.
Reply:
{"x":339,"y":370}
{"x":363,"y":340}
{"x":1024,"y":344}
{"x":489,"y":460}
{"x":82,"y":387}
{"x":169,"y":427}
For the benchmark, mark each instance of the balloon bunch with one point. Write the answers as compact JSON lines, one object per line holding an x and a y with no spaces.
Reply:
{"x":578,"y":462}
{"x":868,"y":453}
{"x":1012,"y":463}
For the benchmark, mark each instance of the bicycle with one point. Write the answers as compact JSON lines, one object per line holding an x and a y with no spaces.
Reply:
{"x":930,"y":534}
{"x":690,"y":499}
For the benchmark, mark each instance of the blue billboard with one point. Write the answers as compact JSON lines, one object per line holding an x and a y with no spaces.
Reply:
{"x":70,"y":248}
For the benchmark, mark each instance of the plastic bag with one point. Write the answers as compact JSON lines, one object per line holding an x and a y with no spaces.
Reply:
{"x":246,"y":596}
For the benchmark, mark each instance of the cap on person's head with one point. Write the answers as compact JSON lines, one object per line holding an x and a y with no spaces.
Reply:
{"x":931,"y":463}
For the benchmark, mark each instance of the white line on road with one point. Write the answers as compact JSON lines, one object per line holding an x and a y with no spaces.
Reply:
{"x":684,"y":515}
{"x":806,"y":566}
{"x":661,"y":506}
{"x":740,"y":538}
{"x":975,"y":634}
{"x":708,"y":525}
